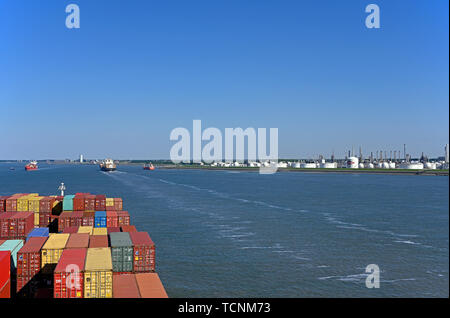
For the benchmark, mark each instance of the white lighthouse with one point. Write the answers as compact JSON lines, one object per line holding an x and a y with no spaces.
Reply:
{"x":81,"y":159}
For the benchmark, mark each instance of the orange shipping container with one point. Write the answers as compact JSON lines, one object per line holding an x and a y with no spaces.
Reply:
{"x":150,"y":286}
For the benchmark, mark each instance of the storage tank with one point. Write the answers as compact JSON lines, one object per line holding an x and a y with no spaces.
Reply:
{"x":353,"y":163}
{"x":430,"y":165}
{"x":361,"y":165}
{"x":391,"y":165}
{"x":308,"y":165}
{"x":412,"y":165}
{"x":328,"y":165}
{"x":385,"y":165}
{"x":380,"y":165}
{"x":296,"y":165}
{"x":369,"y":165}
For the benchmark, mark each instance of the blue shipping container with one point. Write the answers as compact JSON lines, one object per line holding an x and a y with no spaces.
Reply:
{"x":68,"y":202}
{"x":39,"y":232}
{"x":13,"y":246}
{"x":100,"y":219}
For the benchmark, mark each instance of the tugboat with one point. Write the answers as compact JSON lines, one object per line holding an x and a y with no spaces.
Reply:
{"x":32,"y":165}
{"x":107,"y":165}
{"x":149,"y":166}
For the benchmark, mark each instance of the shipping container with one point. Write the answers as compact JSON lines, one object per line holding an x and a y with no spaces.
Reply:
{"x":150,"y":286}
{"x":3,"y":203}
{"x":22,"y":203}
{"x":52,"y":250}
{"x":89,"y":202}
{"x":5,"y":291}
{"x":13,"y":246}
{"x":64,"y":220}
{"x":98,"y":273}
{"x":68,"y":203}
{"x":20,"y":225}
{"x":5,"y":267}
{"x":121,"y":251}
{"x":98,"y":241}
{"x":11,"y":202}
{"x":85,"y":229}
{"x":88,"y":218}
{"x":113,"y":229}
{"x":5,"y":219}
{"x":78,"y":240}
{"x":100,"y":202}
{"x":123,"y":218}
{"x":100,"y":231}
{"x":144,"y":252}
{"x":71,"y":229}
{"x":118,"y":204}
{"x":69,"y":274}
{"x":36,"y":219}
{"x":109,"y":202}
{"x":111,"y":219}
{"x":46,"y":204}
{"x":76,"y":218}
{"x":125,"y":286}
{"x":29,"y":257}
{"x":39,"y":232}
{"x":34,"y":204}
{"x":78,"y":203}
{"x":128,"y":228}
{"x":44,"y":218}
{"x":100,"y":219}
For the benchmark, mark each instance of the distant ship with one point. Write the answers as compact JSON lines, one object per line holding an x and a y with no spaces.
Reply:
{"x":107,"y":165}
{"x":32,"y":165}
{"x":149,"y":166}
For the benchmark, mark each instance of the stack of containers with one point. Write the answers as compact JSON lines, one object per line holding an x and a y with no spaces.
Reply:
{"x":98,"y":273}
{"x":128,"y":228}
{"x":3,"y":203}
{"x":39,"y":232}
{"x":113,"y":229}
{"x":88,"y":218}
{"x":111,"y":219}
{"x":20,"y":224}
{"x":34,"y":206}
{"x":98,"y":241}
{"x":89,"y":202}
{"x":110,"y":204}
{"x":121,"y":252}
{"x":71,"y":229}
{"x":45,"y":210}
{"x":123,"y":218}
{"x":68,"y":202}
{"x":78,"y":240}
{"x":64,"y":220}
{"x":77,"y":218}
{"x":5,"y":274}
{"x":143,"y":251}
{"x":11,"y":202}
{"x":78,"y":202}
{"x":100,"y":202}
{"x":4,"y":224}
{"x":52,"y":250}
{"x":69,"y":274}
{"x":13,"y":246}
{"x":29,"y":265}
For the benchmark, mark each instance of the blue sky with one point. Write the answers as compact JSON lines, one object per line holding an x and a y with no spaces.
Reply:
{"x":135,"y":70}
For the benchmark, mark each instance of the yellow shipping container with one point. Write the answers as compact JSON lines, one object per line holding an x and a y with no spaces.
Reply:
{"x":109,"y":201}
{"x":36,"y":219}
{"x":53,"y":248}
{"x":22,"y":203}
{"x":100,"y":231}
{"x":33,"y":204}
{"x":98,"y":273}
{"x":85,"y":229}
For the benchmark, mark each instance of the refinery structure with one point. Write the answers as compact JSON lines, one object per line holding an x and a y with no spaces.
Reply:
{"x":397,"y":159}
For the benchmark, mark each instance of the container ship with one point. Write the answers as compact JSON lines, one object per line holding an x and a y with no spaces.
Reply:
{"x":74,"y":246}
{"x":149,"y":166}
{"x":32,"y":165}
{"x":107,"y":165}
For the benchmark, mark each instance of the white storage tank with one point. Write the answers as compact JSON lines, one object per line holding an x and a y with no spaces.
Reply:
{"x":412,"y":165}
{"x":361,"y":165}
{"x":369,"y":165}
{"x":391,"y":165}
{"x":296,"y":165}
{"x":380,"y":165}
{"x":328,"y":165}
{"x":308,"y":165}
{"x":353,"y":163}
{"x":430,"y":165}
{"x":385,"y":165}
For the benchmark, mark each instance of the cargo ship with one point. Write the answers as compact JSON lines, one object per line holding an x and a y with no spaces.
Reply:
{"x":74,"y":246}
{"x":107,"y":165}
{"x":149,"y":166}
{"x":32,"y":165}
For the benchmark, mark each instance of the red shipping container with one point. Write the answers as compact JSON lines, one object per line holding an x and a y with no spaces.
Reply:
{"x":3,"y":203}
{"x":77,"y":218}
{"x":71,"y":229}
{"x":4,"y":224}
{"x":5,"y":291}
{"x":46,"y":204}
{"x":123,"y":218}
{"x":29,"y":257}
{"x":11,"y":202}
{"x":125,"y":286}
{"x":129,"y":228}
{"x":44,"y":219}
{"x":68,"y":274}
{"x":78,"y":240}
{"x":112,"y":219}
{"x":100,"y":202}
{"x":64,"y":220}
{"x":118,"y":204}
{"x":143,"y":252}
{"x":20,"y":225}
{"x":113,"y":229}
{"x":5,"y":267}
{"x":88,"y":219}
{"x":78,"y":202}
{"x":89,"y":202}
{"x":98,"y":241}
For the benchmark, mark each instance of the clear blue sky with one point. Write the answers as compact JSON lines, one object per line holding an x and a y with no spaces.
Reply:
{"x":135,"y":70}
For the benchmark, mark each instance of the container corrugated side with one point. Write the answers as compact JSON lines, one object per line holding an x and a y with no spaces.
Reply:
{"x":98,"y":273}
{"x":78,"y":240}
{"x":68,"y":279}
{"x":121,"y":251}
{"x":52,"y":250}
{"x":125,"y":286}
{"x":144,"y":252}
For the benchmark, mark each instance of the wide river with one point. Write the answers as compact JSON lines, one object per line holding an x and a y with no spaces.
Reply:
{"x":241,"y":234}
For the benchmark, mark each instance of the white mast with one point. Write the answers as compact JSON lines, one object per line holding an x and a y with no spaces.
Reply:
{"x":62,"y":187}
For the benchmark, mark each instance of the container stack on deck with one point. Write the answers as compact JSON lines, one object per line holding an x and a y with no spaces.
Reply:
{"x":76,"y":246}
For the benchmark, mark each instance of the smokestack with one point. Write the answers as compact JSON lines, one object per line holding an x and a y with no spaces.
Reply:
{"x":404,"y":151}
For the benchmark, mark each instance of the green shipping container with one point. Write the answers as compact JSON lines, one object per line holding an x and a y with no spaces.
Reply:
{"x":13,"y":246}
{"x":121,"y":251}
{"x":68,"y":202}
